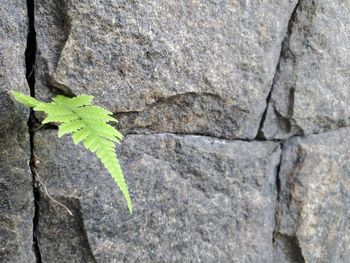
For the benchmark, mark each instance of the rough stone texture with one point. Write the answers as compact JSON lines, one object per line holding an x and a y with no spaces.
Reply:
{"x":195,"y":199}
{"x":203,"y":67}
{"x":16,"y":194}
{"x":62,"y":237}
{"x":196,"y":67}
{"x":311,"y":90}
{"x":314,"y":204}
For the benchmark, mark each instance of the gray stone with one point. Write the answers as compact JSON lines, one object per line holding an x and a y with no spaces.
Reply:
{"x":13,"y":33}
{"x":16,"y":196}
{"x":196,"y":199}
{"x":200,"y":67}
{"x":184,"y":67}
{"x":61,"y":236}
{"x":16,"y":193}
{"x":311,"y":90}
{"x":314,"y":203}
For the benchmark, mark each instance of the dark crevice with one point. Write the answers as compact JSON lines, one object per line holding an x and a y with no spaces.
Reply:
{"x":278,"y":193}
{"x":285,"y":42}
{"x":260,"y":135}
{"x":302,"y":135}
{"x":36,"y":193}
{"x":288,"y":244}
{"x":38,"y":126}
{"x":296,"y":252}
{"x":30,"y":52}
{"x":30,"y":55}
{"x":203,"y":135}
{"x":278,"y":179}
{"x":290,"y":247}
{"x":49,"y":126}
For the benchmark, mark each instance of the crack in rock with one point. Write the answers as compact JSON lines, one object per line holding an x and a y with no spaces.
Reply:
{"x":30,"y":54}
{"x":283,"y":51}
{"x":284,"y":246}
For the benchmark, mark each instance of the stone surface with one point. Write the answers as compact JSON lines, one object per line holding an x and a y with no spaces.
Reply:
{"x":314,"y":203}
{"x":195,"y":199}
{"x":62,"y":237}
{"x":16,"y":193}
{"x":202,"y":67}
{"x":311,"y":90}
{"x":183,"y":67}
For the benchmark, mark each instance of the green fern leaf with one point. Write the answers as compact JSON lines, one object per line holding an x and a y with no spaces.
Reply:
{"x":25,"y":100}
{"x":88,"y":124}
{"x":81,"y":100}
{"x":81,"y":135}
{"x":70,"y":127}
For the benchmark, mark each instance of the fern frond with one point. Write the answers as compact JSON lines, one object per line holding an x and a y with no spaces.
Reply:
{"x":81,"y":135}
{"x":88,"y":124}
{"x":81,"y":100}
{"x":70,"y":127}
{"x":25,"y":100}
{"x":66,"y":118}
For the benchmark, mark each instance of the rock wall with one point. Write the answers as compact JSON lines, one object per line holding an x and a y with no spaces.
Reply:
{"x":236,"y":118}
{"x":16,"y":190}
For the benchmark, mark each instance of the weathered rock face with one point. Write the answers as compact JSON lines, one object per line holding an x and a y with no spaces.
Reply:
{"x":215,"y":92}
{"x":314,"y":200}
{"x":310,"y":92}
{"x":172,"y":66}
{"x":200,"y":198}
{"x":16,"y":193}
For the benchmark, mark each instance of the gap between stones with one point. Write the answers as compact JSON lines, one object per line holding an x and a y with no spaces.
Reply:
{"x":260,"y":133}
{"x":294,"y":244}
{"x":30,"y":54}
{"x":295,"y":254}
